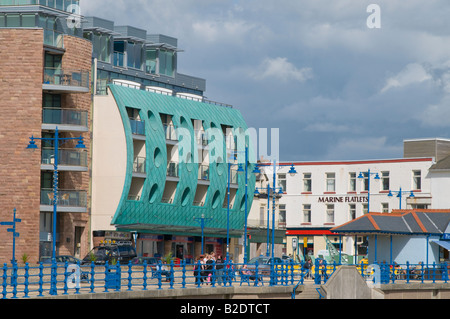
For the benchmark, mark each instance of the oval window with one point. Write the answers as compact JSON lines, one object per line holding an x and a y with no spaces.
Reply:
{"x":157,"y":157}
{"x":215,"y":200}
{"x":153,"y":193}
{"x":185,"y":197}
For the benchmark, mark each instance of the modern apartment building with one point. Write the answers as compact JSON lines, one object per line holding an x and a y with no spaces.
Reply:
{"x":45,"y":84}
{"x":157,"y":158}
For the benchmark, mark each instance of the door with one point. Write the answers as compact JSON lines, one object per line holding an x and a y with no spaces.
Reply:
{"x":77,"y":248}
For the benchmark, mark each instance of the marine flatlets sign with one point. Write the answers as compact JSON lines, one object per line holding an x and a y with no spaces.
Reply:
{"x":343,"y":199}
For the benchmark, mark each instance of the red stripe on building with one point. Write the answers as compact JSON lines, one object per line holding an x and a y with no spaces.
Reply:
{"x":310,"y":232}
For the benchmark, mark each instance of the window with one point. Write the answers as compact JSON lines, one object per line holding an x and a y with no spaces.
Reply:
{"x":262,"y":214}
{"x":331,"y":182}
{"x":365,"y":208}
{"x":282,"y":182}
{"x":352,"y":184}
{"x":384,"y":207}
{"x":417,"y":180}
{"x":385,"y":181}
{"x":151,"y":61}
{"x":307,"y":182}
{"x":352,"y":211}
{"x":306,"y":213}
{"x":166,"y":62}
{"x":330,"y":214}
{"x":282,"y":215}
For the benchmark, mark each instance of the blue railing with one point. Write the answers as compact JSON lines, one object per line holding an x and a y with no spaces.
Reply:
{"x":17,"y":281}
{"x":56,"y":278}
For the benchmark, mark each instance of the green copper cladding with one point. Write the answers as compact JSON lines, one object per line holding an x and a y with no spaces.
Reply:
{"x":149,"y":214}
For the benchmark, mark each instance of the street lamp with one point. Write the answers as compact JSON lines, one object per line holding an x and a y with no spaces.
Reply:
{"x":368,"y":174}
{"x":399,"y":195}
{"x":272,"y":190}
{"x":202,"y":221}
{"x":56,"y":140}
{"x":240,"y":170}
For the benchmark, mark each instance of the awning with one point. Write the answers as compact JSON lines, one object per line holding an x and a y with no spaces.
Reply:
{"x":443,"y":244}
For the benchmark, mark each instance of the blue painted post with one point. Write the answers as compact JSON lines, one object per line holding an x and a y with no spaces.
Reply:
{"x":183,"y":276}
{"x":107,"y":278}
{"x":5,"y":278}
{"x":197,"y":273}
{"x":407,"y":272}
{"x":445,"y":272}
{"x":53,"y":278}
{"x":144,"y":284}
{"x":158,"y":272}
{"x":41,"y":279}
{"x":423,"y":273}
{"x":26,"y":283}
{"x":14,"y":280}
{"x":172,"y":278}
{"x":256,"y":274}
{"x":118,"y":277}
{"x":317,"y":278}
{"x":92,"y":277}
{"x":130,"y":277}
{"x":66,"y":277}
{"x":213,"y":274}
{"x":434,"y":272}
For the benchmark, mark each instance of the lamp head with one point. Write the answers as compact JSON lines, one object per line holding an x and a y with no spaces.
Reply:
{"x":32,"y":145}
{"x":377,"y":176}
{"x":412,"y":194}
{"x":390,"y":194}
{"x":256,"y":170}
{"x":360,"y":175}
{"x":292,"y":171}
{"x":256,"y":191}
{"x":80,"y":144}
{"x":240,"y":169}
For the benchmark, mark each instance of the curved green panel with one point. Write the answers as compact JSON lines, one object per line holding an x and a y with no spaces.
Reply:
{"x":149,"y":212}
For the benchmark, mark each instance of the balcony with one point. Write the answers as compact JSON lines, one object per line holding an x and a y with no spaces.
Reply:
{"x":170,"y":133}
{"x":66,"y":119}
{"x":68,"y":201}
{"x":66,"y":81}
{"x":137,"y":127}
{"x":68,"y":160}
{"x":203,"y":172}
{"x":172,"y":170}
{"x":54,"y":39}
{"x":139,"y":166}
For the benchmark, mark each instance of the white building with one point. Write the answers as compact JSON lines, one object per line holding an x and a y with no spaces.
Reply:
{"x":326,"y":194}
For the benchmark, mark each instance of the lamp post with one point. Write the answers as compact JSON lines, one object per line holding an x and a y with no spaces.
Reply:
{"x":399,"y":195}
{"x":363,"y":175}
{"x":56,"y":140}
{"x":272,"y":190}
{"x":202,"y":221}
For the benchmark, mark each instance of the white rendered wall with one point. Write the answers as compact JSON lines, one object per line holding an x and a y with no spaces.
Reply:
{"x":109,"y":161}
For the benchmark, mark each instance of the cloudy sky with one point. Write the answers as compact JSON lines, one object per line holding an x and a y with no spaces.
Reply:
{"x":335,"y":88}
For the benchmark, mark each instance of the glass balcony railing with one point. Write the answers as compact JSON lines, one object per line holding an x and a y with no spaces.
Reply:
{"x":65,"y":117}
{"x":65,"y":77}
{"x":119,"y":59}
{"x":65,"y":198}
{"x":172,"y":169}
{"x":203,"y":172}
{"x":139,"y":165}
{"x":170,"y":132}
{"x":63,"y":5}
{"x":66,"y":157}
{"x":137,"y":127}
{"x":54,"y":38}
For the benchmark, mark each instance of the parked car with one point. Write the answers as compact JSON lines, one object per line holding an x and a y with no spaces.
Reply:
{"x":111,"y":252}
{"x":61,"y":260}
{"x":264,"y":264}
{"x":151,"y":261}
